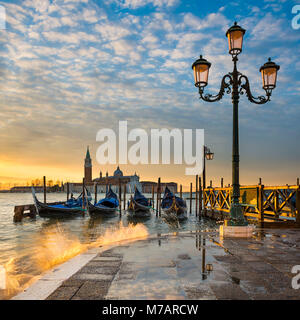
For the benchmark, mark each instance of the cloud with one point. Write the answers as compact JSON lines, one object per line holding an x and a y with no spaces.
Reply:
{"x":86,"y":64}
{"x":135,"y":4}
{"x":39,"y":5}
{"x":210,"y":21}
{"x":111,"y":32}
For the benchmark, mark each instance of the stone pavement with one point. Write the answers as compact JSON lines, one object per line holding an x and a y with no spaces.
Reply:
{"x":191,"y":266}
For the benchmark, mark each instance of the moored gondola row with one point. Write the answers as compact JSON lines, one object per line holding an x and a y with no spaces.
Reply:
{"x":138,"y":206}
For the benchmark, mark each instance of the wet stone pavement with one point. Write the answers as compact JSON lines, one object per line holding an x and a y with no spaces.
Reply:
{"x":191,"y":266}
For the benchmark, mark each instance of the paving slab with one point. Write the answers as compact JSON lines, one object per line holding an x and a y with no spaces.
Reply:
{"x":196,"y":266}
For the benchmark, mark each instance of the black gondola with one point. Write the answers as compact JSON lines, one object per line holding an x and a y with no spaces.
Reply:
{"x":139,"y":205}
{"x":107,"y":205}
{"x":173,"y":207}
{"x":60,"y":209}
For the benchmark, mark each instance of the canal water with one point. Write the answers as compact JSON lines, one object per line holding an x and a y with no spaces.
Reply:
{"x":30,"y":248}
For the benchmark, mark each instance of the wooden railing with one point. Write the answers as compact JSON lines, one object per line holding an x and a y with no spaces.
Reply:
{"x":259,"y":202}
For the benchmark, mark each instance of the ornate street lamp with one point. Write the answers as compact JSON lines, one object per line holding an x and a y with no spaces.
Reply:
{"x":236,"y":84}
{"x":207,"y":155}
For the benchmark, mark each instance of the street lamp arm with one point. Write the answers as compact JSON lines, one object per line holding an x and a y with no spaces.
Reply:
{"x":245,"y":86}
{"x":225,"y":86}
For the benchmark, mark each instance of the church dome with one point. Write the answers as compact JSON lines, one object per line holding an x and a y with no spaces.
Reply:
{"x":118,"y":173}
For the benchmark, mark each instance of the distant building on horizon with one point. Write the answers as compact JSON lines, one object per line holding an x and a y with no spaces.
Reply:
{"x":131,"y":181}
{"x":117,"y":178}
{"x":88,"y":167}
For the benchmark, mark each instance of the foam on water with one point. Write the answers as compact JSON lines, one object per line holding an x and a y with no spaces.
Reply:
{"x":30,"y":248}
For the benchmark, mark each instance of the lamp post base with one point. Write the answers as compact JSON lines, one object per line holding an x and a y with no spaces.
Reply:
{"x":236,"y":231}
{"x":237,"y":216}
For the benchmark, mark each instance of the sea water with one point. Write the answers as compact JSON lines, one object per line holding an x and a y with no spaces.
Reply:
{"x":30,"y":247}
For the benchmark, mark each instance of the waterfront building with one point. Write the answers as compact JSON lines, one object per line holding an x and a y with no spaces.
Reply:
{"x":130,"y":181}
{"x":88,"y":167}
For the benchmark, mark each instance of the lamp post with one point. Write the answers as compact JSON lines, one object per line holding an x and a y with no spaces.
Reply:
{"x":207,"y":155}
{"x":237,"y":84}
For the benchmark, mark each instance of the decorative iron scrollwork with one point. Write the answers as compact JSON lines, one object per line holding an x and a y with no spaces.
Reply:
{"x":225,"y":87}
{"x":245,"y":87}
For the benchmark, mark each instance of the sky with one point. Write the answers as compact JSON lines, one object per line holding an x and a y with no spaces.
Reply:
{"x":70,"y":68}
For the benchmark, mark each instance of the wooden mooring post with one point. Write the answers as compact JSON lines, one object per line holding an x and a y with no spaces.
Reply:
{"x":45,"y":189}
{"x":260,"y":204}
{"x":23,"y":211}
{"x":222,"y":182}
{"x":68,"y":191}
{"x":96,"y":192}
{"x":83,"y":193}
{"x":196,"y":197}
{"x":124,"y":197}
{"x":157,"y":196}
{"x":120,"y":197}
{"x":298,"y":205}
{"x":180,"y":192}
{"x":191,"y":197}
{"x":200,"y":196}
{"x":153,"y":196}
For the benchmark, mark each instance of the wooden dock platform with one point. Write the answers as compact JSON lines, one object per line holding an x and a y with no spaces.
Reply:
{"x":23,"y":211}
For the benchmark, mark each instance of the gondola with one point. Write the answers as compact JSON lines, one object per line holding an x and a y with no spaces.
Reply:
{"x":139,"y":205}
{"x":60,"y":209}
{"x":105,"y":206}
{"x":173,"y":207}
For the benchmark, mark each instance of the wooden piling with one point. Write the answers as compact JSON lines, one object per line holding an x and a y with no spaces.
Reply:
{"x":260,"y":203}
{"x":96,"y":192}
{"x":153,"y":196}
{"x":276,"y":203}
{"x":124,"y":197}
{"x":200,"y":196}
{"x":180,"y":194}
{"x":196,"y":197}
{"x":23,"y":211}
{"x":259,"y":181}
{"x":45,"y":189}
{"x":157,"y":193}
{"x":120,"y":196}
{"x":83,"y":193}
{"x":68,"y":191}
{"x":191,"y":197}
{"x":222,"y":182}
{"x":210,"y":183}
{"x":159,"y":197}
{"x":297,"y":181}
{"x":298,"y":205}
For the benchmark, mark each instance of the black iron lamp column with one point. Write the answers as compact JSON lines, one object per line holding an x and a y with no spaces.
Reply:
{"x":237,"y":84}
{"x":207,"y":155}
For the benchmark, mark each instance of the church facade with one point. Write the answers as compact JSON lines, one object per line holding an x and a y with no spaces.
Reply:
{"x":116,"y":179}
{"x":130,"y":181}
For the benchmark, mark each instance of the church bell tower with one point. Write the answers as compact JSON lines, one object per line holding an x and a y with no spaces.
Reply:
{"x":88,"y":167}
